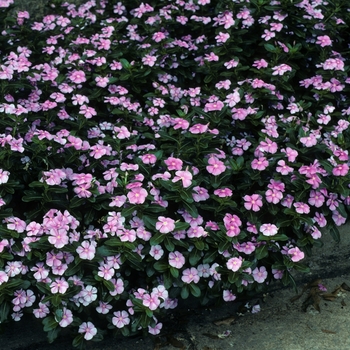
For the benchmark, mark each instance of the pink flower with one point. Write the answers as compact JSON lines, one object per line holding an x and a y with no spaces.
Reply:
{"x":228,"y":295}
{"x":67,"y":318}
{"x":156,"y":252}
{"x":77,"y":76}
{"x":324,"y":40}
{"x":120,"y":319}
{"x":215,"y":167}
{"x":234,"y":264}
{"x":260,"y":64}
{"x":4,"y":176}
{"x":301,"y":208}
{"x":340,"y":170}
{"x":223,"y":192}
{"x":211,"y":57}
{"x":273,"y":196}
{"x":296,"y":254}
{"x":148,"y":158}
{"x":3,"y":277}
{"x":253,"y":202}
{"x":283,"y":168}
{"x":201,"y":194}
{"x":165,"y":225}
{"x":88,"y":329}
{"x":213,"y":106}
{"x":277,"y":274}
{"x":151,"y":301}
{"x":309,"y":141}
{"x":149,"y":60}
{"x":316,"y":199}
{"x":185,"y":176}
{"x":14,"y":223}
{"x":156,"y":329}
{"x":337,"y":218}
{"x":281,"y":69}
{"x":58,"y":237}
{"x":259,"y":274}
{"x":190,"y":275}
{"x":137,"y":195}
{"x":60,"y":285}
{"x":268,"y":229}
{"x":86,"y":250}
{"x":259,"y":164}
{"x":176,"y":259}
{"x":173,"y":163}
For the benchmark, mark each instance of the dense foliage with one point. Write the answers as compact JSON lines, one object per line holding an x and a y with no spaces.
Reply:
{"x":152,"y":151}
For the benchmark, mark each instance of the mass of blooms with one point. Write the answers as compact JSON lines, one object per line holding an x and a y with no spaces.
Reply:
{"x":150,"y":151}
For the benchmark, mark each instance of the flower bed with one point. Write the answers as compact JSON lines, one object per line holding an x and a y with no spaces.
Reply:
{"x":152,"y":151}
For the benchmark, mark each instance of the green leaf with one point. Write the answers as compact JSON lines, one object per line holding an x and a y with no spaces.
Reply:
{"x":301,"y":267}
{"x":186,"y":196}
{"x":49,"y":323}
{"x":185,"y":292}
{"x":53,"y":334}
{"x":157,"y":238}
{"x":261,"y":252}
{"x":199,"y":244}
{"x":125,"y":63}
{"x":78,"y":340}
{"x":4,"y":311}
{"x":191,"y":209}
{"x":160,"y":266}
{"x":335,"y":233}
{"x":209,"y":257}
{"x":180,"y":226}
{"x":76,"y":202}
{"x":174,"y":272}
{"x":195,"y":290}
{"x":169,"y":245}
{"x":109,"y":285}
{"x":195,"y":256}
{"x":128,"y":211}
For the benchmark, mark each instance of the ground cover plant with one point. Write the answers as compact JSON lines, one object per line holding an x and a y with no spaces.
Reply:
{"x":155,"y":150}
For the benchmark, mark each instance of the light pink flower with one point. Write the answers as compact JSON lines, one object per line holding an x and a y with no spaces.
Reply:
{"x":86,"y":250}
{"x":137,"y":195}
{"x":176,"y":259}
{"x":268,"y":229}
{"x":234,"y":264}
{"x":296,"y":254}
{"x":151,"y":301}
{"x":120,"y":319}
{"x":324,"y":40}
{"x":215,"y":167}
{"x":259,"y":274}
{"x":184,"y":176}
{"x":340,"y":170}
{"x":173,"y":163}
{"x":223,"y":192}
{"x":259,"y":164}
{"x":301,"y":208}
{"x":88,"y":329}
{"x":156,"y":252}
{"x":156,"y":329}
{"x":59,"y":285}
{"x":4,"y":176}
{"x":201,"y":194}
{"x":190,"y":275}
{"x":253,"y":202}
{"x":165,"y":225}
{"x":77,"y":76}
{"x":228,"y":295}
{"x":67,"y":318}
